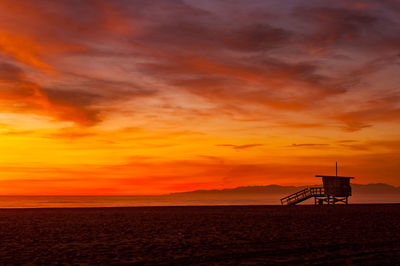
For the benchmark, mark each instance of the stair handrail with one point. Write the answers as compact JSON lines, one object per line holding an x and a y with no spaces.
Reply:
{"x":308,"y":191}
{"x":294,"y":195}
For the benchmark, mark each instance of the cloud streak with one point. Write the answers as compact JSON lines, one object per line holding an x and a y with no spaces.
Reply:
{"x":240,"y":147}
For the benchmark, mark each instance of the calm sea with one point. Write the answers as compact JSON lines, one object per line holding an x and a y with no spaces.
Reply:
{"x":117,"y":201}
{"x":167,"y":200}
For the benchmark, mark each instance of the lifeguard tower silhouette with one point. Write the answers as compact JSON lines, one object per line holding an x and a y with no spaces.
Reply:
{"x":335,"y":189}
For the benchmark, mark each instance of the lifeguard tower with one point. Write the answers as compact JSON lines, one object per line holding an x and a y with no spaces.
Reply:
{"x":335,"y":189}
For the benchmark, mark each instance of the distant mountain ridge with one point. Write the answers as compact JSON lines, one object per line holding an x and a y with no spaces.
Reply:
{"x":377,"y":188}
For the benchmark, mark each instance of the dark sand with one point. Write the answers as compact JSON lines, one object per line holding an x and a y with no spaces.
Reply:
{"x":202,"y":235}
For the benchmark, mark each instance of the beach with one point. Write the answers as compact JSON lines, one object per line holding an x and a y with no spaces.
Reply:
{"x":202,"y":235}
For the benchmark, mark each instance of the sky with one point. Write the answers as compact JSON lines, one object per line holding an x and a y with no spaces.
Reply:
{"x":119,"y":97}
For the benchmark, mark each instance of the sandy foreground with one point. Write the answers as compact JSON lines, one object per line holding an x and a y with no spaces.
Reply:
{"x":202,"y":235}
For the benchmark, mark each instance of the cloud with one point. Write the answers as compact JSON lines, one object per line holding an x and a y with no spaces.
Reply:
{"x":267,"y":82}
{"x":196,"y":33}
{"x":368,"y":25}
{"x":240,"y":147}
{"x":383,"y":108}
{"x":335,"y":25}
{"x":71,"y":134}
{"x":257,"y":37}
{"x":17,"y":132}
{"x":301,"y":125}
{"x":119,"y":52}
{"x":23,"y":49}
{"x":23,"y":96}
{"x":309,"y":145}
{"x":10,"y":73}
{"x":358,"y":4}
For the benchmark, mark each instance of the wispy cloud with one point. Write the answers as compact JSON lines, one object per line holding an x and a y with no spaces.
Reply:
{"x":309,"y":145}
{"x":240,"y":147}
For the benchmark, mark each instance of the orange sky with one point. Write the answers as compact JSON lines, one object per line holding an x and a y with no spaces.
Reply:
{"x":152,"y":97}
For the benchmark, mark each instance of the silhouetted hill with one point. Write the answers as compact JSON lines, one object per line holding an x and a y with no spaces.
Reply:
{"x":270,"y":189}
{"x":271,"y":194}
{"x":379,"y":188}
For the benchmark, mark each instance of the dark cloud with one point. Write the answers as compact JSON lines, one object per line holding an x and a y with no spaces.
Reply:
{"x":205,"y":38}
{"x":10,"y":73}
{"x":73,"y":97}
{"x":112,"y":90}
{"x":31,"y":98}
{"x":238,"y":57}
{"x":335,"y":24}
{"x":257,"y":37}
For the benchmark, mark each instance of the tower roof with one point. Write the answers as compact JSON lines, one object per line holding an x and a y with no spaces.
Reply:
{"x":334,"y":176}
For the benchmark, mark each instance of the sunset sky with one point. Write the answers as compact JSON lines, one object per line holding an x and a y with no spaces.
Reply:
{"x":152,"y":96}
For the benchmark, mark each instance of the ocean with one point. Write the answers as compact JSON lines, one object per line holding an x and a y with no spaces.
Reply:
{"x":120,"y":201}
{"x":83,"y":201}
{"x":163,"y":200}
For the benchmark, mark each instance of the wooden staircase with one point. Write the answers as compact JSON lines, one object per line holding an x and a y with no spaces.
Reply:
{"x":303,"y":195}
